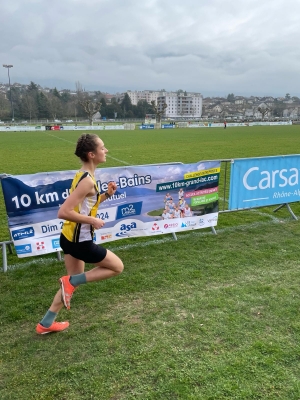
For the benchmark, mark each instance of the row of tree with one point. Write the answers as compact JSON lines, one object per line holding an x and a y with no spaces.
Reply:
{"x":31,"y":103}
{"x":231,"y":97}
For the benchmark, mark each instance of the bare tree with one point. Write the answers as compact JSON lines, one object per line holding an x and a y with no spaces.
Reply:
{"x":78,"y":86}
{"x":158,"y":113}
{"x":90,"y":107}
{"x":264,"y":111}
{"x":29,"y":106}
{"x":55,"y":106}
{"x":70,"y":108}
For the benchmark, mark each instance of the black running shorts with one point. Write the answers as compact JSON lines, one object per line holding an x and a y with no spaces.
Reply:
{"x":86,"y":251}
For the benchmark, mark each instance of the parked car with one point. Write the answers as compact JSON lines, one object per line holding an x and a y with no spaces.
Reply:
{"x":57,"y":120}
{"x":69,"y":120}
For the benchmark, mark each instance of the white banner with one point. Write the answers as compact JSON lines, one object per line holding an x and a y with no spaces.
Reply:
{"x":60,"y":128}
{"x":9,"y":128}
{"x":234,"y":124}
{"x":150,"y":200}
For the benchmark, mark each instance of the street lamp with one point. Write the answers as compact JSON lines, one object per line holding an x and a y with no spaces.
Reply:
{"x":8,"y":66}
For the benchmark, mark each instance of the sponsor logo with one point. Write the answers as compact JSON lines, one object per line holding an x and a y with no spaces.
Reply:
{"x":125,"y":229}
{"x":23,"y":249}
{"x":211,"y":220}
{"x":201,"y":222}
{"x":168,"y":126}
{"x":22,"y":233}
{"x":106,"y":237}
{"x":187,"y":224}
{"x":122,"y":234}
{"x":40,"y":245}
{"x":172,"y":225}
{"x":55,"y":244}
{"x":270,"y":179}
{"x":155,"y":227}
{"x":129,"y":209}
{"x":147,"y":126}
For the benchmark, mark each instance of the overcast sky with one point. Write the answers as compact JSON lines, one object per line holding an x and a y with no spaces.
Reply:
{"x":215,"y":47}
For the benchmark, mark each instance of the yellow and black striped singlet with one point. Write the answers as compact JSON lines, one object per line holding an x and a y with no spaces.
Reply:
{"x":74,"y":231}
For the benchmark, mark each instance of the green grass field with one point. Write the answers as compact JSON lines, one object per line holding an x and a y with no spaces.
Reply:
{"x":204,"y":317}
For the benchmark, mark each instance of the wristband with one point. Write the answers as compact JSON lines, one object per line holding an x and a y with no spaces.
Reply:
{"x":107,"y":195}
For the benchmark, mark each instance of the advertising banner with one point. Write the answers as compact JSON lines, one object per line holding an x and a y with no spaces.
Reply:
{"x":168,"y":126}
{"x":265,"y":181}
{"x":150,"y":200}
{"x":29,"y":128}
{"x":281,"y":123}
{"x":25,"y":128}
{"x":147,"y":126}
{"x":113,"y":127}
{"x":198,"y":125}
{"x":81,"y":127}
{"x":267,"y":123}
{"x":91,"y":127}
{"x":216,"y":124}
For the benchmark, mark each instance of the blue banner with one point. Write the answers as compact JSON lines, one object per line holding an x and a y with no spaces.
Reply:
{"x":265,"y":181}
{"x":150,"y":126}
{"x":167,"y":126}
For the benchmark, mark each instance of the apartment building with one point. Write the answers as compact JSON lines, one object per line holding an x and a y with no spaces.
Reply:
{"x":181,"y":105}
{"x":136,"y":96}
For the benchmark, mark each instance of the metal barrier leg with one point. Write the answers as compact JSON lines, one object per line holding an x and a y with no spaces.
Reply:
{"x":289,"y":210}
{"x":4,"y":257}
{"x":278,"y":208}
{"x":213,"y":230}
{"x":58,"y":253}
{"x":174,"y":235}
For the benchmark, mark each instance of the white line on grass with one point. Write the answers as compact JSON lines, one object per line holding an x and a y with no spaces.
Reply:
{"x":123,"y":162}
{"x":65,"y":140}
{"x":273,"y":218}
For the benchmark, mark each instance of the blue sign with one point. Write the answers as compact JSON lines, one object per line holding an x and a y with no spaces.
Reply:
{"x":265,"y":181}
{"x":151,"y":126}
{"x":23,"y":249}
{"x":55,"y":243}
{"x":22,"y":233}
{"x":167,"y":126}
{"x":128,"y":210}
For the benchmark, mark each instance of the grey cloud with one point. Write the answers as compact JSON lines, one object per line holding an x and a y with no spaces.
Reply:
{"x":216,"y":46}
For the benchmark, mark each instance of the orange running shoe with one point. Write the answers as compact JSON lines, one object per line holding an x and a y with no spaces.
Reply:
{"x":55,"y":327}
{"x":67,"y":290}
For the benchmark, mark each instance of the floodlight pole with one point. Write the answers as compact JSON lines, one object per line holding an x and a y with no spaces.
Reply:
{"x":8,"y":66}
